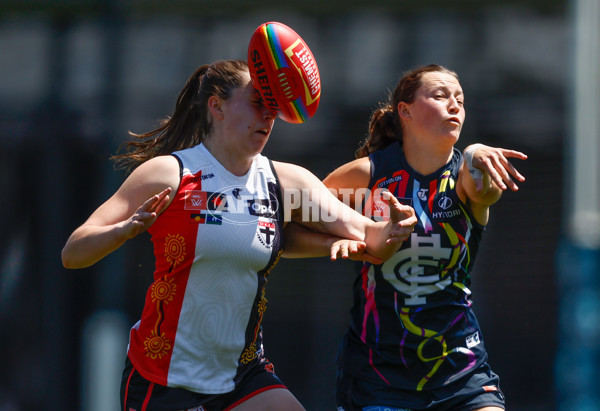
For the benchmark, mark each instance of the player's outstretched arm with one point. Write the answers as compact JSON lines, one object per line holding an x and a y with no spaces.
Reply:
{"x":129,"y":212}
{"x":308,"y":202}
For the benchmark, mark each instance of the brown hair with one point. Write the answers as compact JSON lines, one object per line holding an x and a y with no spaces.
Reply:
{"x":384,"y":125}
{"x":190,"y":122}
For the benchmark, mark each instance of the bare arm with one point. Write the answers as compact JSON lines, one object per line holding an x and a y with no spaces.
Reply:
{"x":304,"y":242}
{"x":485,"y":174}
{"x":129,"y":212}
{"x":300,"y":242}
{"x":348,"y":180}
{"x":308,"y":202}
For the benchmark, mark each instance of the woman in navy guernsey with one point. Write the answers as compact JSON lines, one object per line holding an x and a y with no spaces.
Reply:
{"x":216,"y":209}
{"x":414,"y":342}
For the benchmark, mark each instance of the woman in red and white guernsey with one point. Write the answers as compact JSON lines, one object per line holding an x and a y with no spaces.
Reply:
{"x":216,"y":209}
{"x":414,"y":342}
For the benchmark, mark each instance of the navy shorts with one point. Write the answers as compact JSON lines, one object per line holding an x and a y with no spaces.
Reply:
{"x":139,"y":394}
{"x":480,"y":389}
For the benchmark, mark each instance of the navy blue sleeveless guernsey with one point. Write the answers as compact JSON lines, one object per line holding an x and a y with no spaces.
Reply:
{"x":412,"y":326}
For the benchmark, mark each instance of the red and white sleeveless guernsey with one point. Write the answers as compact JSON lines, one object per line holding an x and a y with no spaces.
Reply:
{"x":214,"y":247}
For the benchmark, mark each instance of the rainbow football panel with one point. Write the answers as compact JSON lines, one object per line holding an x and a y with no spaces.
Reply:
{"x":277,"y":56}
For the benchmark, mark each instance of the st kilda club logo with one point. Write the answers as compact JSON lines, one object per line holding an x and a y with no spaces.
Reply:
{"x":266,"y":232}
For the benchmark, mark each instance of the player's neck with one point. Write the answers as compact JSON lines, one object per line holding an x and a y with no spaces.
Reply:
{"x":426,"y":160}
{"x":234,"y":163}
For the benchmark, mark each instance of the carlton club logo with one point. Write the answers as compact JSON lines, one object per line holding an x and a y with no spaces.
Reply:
{"x":414,"y":271}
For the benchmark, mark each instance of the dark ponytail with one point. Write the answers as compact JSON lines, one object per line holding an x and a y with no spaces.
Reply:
{"x":384,"y":129}
{"x":190,"y":122}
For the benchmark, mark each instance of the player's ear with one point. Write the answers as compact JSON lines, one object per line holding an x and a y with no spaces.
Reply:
{"x":214,"y":107}
{"x":404,"y":111}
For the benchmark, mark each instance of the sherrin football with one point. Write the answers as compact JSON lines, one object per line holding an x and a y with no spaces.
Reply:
{"x":284,"y":72}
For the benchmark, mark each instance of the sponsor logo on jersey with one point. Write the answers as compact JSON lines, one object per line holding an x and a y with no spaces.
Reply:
{"x":446,"y":209}
{"x":445,"y":203}
{"x":201,"y":177}
{"x":445,"y":214}
{"x":389,"y":181}
{"x":261,"y":207}
{"x":473,"y":340}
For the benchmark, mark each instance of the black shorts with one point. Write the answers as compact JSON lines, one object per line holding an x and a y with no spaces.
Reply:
{"x":139,"y":394}
{"x":476,"y":390}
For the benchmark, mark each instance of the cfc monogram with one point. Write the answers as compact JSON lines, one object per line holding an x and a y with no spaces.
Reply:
{"x":411,"y":265}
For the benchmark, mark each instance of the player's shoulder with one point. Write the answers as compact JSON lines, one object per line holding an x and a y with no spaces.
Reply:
{"x":159,"y":165}
{"x":294,"y":176}
{"x":287,"y":168}
{"x":159,"y":171}
{"x":355,"y":173}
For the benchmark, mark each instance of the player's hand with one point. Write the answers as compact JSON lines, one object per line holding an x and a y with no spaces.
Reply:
{"x":494,"y":161}
{"x":146,"y":214}
{"x":402,"y":217}
{"x":353,"y":250}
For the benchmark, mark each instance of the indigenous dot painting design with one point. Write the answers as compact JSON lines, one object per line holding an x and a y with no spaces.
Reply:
{"x":162,"y":291}
{"x":156,"y":345}
{"x":174,"y":249}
